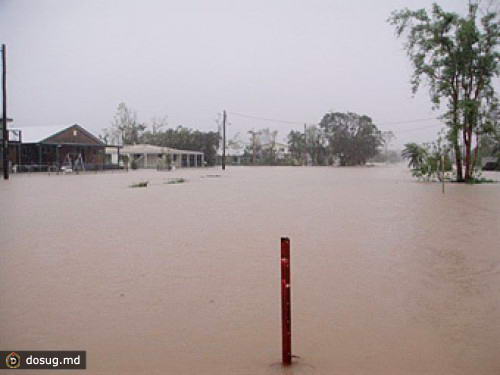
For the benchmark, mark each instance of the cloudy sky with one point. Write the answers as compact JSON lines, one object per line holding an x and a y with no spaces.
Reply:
{"x":72,"y":61}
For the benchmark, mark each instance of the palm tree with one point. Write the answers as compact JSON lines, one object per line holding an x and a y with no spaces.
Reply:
{"x":415,"y":154}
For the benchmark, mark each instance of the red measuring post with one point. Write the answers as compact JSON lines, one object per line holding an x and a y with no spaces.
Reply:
{"x":286,"y":304}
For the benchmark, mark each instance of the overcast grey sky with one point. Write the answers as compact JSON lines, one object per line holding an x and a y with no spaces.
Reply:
{"x":72,"y":61}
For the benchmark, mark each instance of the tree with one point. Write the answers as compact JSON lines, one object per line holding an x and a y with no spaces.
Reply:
{"x":352,"y":138}
{"x":296,"y":145}
{"x":268,"y":146}
{"x":255,"y":145}
{"x":125,"y":129}
{"x":415,"y":154}
{"x":185,"y":139}
{"x":316,"y":143}
{"x":458,"y":57}
{"x":426,"y":160}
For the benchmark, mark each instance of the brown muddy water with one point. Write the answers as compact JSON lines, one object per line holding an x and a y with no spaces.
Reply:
{"x":389,"y":276}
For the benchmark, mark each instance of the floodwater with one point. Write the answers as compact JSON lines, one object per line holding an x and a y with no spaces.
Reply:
{"x":389,"y":276}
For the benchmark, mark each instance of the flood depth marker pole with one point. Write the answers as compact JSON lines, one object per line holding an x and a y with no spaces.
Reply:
{"x":286,"y":305}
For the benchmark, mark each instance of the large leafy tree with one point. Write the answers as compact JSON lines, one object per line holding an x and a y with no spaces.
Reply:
{"x":352,"y":138}
{"x":316,"y":146}
{"x":458,"y":57}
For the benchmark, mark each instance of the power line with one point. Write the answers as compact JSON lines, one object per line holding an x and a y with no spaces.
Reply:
{"x":420,"y":128}
{"x":408,"y":121}
{"x":314,"y":123}
{"x":265,"y":119}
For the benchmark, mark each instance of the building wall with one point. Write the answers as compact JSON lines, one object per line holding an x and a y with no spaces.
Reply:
{"x":35,"y":153}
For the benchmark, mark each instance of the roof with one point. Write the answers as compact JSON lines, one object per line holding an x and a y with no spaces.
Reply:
{"x":34,"y":134}
{"x":42,"y":134}
{"x":151,"y":149}
{"x":75,"y":128}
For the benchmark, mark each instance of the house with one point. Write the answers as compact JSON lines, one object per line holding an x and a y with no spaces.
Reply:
{"x":281,"y":150}
{"x":49,"y":148}
{"x":234,"y":156}
{"x":150,"y":156}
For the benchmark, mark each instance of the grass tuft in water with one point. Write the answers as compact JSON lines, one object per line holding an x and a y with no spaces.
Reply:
{"x":140,"y":184}
{"x":481,"y":180}
{"x":172,"y":181}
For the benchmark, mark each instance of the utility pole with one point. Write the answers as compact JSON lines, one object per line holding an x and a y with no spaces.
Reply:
{"x":224,"y":140}
{"x":4,"y":118}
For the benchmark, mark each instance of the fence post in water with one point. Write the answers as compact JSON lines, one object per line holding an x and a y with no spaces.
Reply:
{"x":286,"y":307}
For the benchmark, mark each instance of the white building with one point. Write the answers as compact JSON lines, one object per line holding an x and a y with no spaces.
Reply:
{"x":234,"y":156}
{"x":149,"y":156}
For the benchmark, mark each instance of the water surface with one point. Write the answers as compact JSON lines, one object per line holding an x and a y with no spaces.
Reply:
{"x":389,"y":276}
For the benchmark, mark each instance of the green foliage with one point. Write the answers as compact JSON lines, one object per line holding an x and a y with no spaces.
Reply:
{"x":185,"y":139}
{"x":458,"y":56}
{"x":125,"y":129}
{"x":426,"y":161}
{"x":481,"y":180}
{"x":490,"y":143}
{"x":263,"y":149}
{"x":297,"y":146}
{"x":351,"y":138}
{"x":316,"y":145}
{"x":415,"y":154}
{"x":133,"y":164}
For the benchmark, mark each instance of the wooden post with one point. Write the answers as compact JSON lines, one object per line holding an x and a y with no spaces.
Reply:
{"x":224,"y":140}
{"x":286,"y":307}
{"x":4,"y":122}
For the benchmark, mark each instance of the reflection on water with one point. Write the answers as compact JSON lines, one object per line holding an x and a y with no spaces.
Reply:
{"x":388,"y":275}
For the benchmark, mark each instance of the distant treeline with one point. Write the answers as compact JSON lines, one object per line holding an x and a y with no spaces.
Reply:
{"x":126,"y":129}
{"x":341,"y":138}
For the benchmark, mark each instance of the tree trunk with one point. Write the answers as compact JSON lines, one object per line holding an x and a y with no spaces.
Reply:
{"x":476,"y":153}
{"x":458,"y":161}
{"x":467,"y":140}
{"x":456,"y":143}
